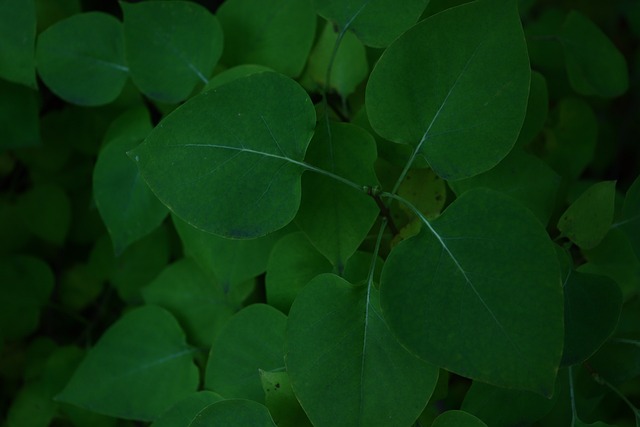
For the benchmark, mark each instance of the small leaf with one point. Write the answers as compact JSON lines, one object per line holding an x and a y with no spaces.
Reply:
{"x":252,"y":339}
{"x":425,"y":190}
{"x":17,"y":41}
{"x":457,"y":419}
{"x":81,"y":58}
{"x":281,"y":401}
{"x":363,"y":17}
{"x":589,"y":217}
{"x":184,"y":411}
{"x":233,"y":413}
{"x":180,"y":38}
{"x":345,"y":365}
{"x":228,"y":160}
{"x":140,"y":366}
{"x":594,"y":64}
{"x":274,"y":33}
{"x":464,"y":112}
{"x":466,"y":295}
{"x":630,"y":222}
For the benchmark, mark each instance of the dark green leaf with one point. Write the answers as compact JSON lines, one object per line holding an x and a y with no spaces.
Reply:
{"x":234,"y":73}
{"x":537,"y":109}
{"x":51,"y":11}
{"x":594,"y":64}
{"x":589,"y":217}
{"x":468,"y":296}
{"x":336,"y":218}
{"x":465,"y":110}
{"x":233,"y":413}
{"x":184,"y":411}
{"x":274,"y":33}
{"x":457,"y":419}
{"x":50,"y":224}
{"x":81,"y":58}
{"x":19,"y":124}
{"x":140,"y":367}
{"x":17,"y":41}
{"x":281,"y":401}
{"x":630,"y":222}
{"x":345,"y":365}
{"x":253,"y":339}
{"x":170,"y":47}
{"x":363,"y":17}
{"x":228,"y":161}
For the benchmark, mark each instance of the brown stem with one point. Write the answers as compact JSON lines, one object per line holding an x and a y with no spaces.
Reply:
{"x":384,"y":210}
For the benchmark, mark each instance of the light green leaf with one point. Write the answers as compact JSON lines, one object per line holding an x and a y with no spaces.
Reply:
{"x":457,"y":419}
{"x":469,"y":271}
{"x":630,"y":222}
{"x":274,"y":33}
{"x":336,"y":218}
{"x":50,"y":224}
{"x":345,"y":365}
{"x":81,"y":58}
{"x":126,"y":204}
{"x":455,"y":87}
{"x":228,"y":161}
{"x":589,"y":217}
{"x":349,"y":66}
{"x":592,"y":306}
{"x":198,"y":302}
{"x":424,"y":190}
{"x":252,"y":339}
{"x":233,"y":413}
{"x":27,"y":283}
{"x":234,"y":73}
{"x":19,"y":121}
{"x":363,"y":17}
{"x":17,"y":41}
{"x":139,"y":368}
{"x":281,"y":401}
{"x":594,"y":65}
{"x":170,"y":47}
{"x":184,"y":411}
{"x":524,"y":177}
{"x":293,"y":263}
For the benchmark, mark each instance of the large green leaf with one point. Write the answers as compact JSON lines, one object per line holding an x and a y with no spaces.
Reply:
{"x":589,"y":217}
{"x":139,"y":368}
{"x":455,"y":87}
{"x":467,"y":295}
{"x":27,"y":283}
{"x":170,"y":47}
{"x":274,"y":33}
{"x":253,"y":339}
{"x":363,"y":17}
{"x":128,"y":207}
{"x":345,"y":365}
{"x":17,"y":41}
{"x":594,"y":64}
{"x":81,"y":58}
{"x":229,"y":160}
{"x":630,"y":222}
{"x":198,"y":302}
{"x":233,"y":413}
{"x":457,"y":419}
{"x":183,"y":412}
{"x":337,"y":218}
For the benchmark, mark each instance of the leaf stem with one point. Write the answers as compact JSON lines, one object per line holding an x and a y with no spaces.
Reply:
{"x":331,"y":175}
{"x":384,"y":209}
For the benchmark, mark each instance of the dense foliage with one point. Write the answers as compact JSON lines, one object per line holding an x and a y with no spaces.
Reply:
{"x":319,"y":212}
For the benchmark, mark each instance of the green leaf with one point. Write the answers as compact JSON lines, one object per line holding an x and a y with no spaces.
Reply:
{"x":50,"y":224}
{"x":234,"y":73}
{"x":589,"y":217}
{"x":252,"y":339}
{"x":51,"y":11}
{"x":139,"y":368}
{"x":424,"y":190}
{"x":170,"y":47}
{"x":19,"y":123}
{"x":592,"y":306}
{"x":537,"y":109}
{"x":594,"y":64}
{"x":27,"y":283}
{"x":230,"y":261}
{"x":274,"y":33}
{"x":335,"y":217}
{"x":630,"y":222}
{"x":457,"y":419}
{"x":522,"y":176}
{"x":469,"y":271}
{"x":229,"y":161}
{"x":500,"y":407}
{"x":17,"y":41}
{"x":345,"y":365}
{"x":464,"y":112}
{"x":81,"y":58}
{"x":349,"y":67}
{"x":126,"y":204}
{"x":233,"y":413}
{"x":281,"y":401}
{"x":198,"y":302}
{"x":293,"y":263}
{"x":363,"y":17}
{"x":184,"y":411}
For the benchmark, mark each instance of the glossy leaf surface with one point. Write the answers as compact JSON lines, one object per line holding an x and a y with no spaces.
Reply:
{"x":242,"y":142}
{"x":374,"y":381}
{"x":17,"y":41}
{"x":464,"y":113}
{"x":471,"y":273}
